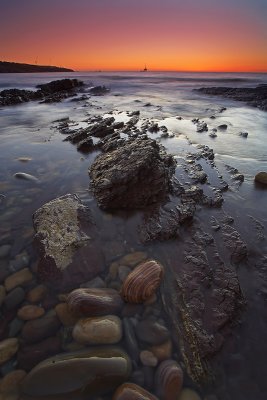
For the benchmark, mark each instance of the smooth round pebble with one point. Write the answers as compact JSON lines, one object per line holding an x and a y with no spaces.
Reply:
{"x":98,"y":330}
{"x":28,"y":312}
{"x":147,"y":358}
{"x":8,"y":348}
{"x":37,"y":294}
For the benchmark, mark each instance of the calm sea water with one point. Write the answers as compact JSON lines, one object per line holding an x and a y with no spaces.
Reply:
{"x":28,"y":130}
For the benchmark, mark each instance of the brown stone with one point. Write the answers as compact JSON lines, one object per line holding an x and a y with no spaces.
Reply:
{"x":132,"y":259}
{"x":64,"y":315}
{"x":131,"y":391}
{"x":41,"y":328}
{"x":98,"y":330}
{"x":17,"y":279}
{"x":37,"y":294}
{"x":8,"y":348}
{"x":29,"y":312}
{"x":10,"y":382}
{"x":142,"y":282}
{"x":31,"y":355}
{"x":162,"y":351}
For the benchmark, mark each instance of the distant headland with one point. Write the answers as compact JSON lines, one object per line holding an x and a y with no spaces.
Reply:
{"x":12,"y":67}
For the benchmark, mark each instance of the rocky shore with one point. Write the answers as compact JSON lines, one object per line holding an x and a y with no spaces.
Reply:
{"x":135,"y":291}
{"x":254,"y":97}
{"x":54,"y":91}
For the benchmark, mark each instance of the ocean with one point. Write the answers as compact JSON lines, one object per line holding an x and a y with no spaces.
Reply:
{"x":29,"y":131}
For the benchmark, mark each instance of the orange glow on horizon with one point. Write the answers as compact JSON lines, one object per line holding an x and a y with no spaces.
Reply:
{"x":98,"y":35}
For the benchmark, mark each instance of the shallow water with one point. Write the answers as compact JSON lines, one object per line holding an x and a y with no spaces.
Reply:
{"x":29,"y":131}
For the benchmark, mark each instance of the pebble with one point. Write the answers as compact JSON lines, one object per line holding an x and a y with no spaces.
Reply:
{"x":30,"y":355}
{"x":2,"y":294}
{"x":26,"y":177}
{"x":132,"y":259}
{"x":169,"y":380}
{"x":14,"y":298}
{"x":130,"y":339}
{"x":152,"y":332}
{"x":162,"y":351}
{"x":15,"y":327}
{"x":97,"y":282}
{"x":30,"y":312}
{"x":189,"y":394}
{"x":10,"y":382}
{"x":102,"y":369}
{"x":21,"y":261}
{"x":131,"y":391}
{"x":37,"y":294}
{"x":98,"y":330}
{"x":5,"y":250}
{"x":64,"y":315}
{"x":8,"y":348}
{"x":24,"y":159}
{"x":123,"y":272}
{"x":148,"y":358}
{"x":41,"y":328}
{"x":17,"y":279}
{"x":113,"y":270}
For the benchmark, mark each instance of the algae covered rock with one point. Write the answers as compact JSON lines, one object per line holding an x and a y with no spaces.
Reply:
{"x":66,"y":238}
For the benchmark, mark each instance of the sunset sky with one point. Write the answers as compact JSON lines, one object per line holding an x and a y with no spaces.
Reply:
{"x":189,"y":35}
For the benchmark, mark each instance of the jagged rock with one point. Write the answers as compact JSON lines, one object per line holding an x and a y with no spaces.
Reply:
{"x":234,"y":242}
{"x":133,"y":176}
{"x":202,"y":297}
{"x":66,"y":238}
{"x":255,"y":97}
{"x":52,"y":91}
{"x":98,"y":90}
{"x":202,"y":126}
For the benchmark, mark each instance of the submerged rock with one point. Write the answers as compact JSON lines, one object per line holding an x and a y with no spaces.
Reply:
{"x":26,"y":177}
{"x":133,"y":176}
{"x":90,"y":371}
{"x":98,"y":330}
{"x":169,"y":380}
{"x":94,"y":302}
{"x":66,"y":238}
{"x":261,"y":177}
{"x":142,"y":282}
{"x":8,"y":348}
{"x":202,"y":297}
{"x":131,"y":391}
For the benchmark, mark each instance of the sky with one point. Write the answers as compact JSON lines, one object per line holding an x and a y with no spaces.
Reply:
{"x":188,"y":35}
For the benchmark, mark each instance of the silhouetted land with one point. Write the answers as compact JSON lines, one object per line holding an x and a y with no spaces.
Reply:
{"x":11,"y":67}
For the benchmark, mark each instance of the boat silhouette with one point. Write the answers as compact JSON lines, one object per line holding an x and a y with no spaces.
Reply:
{"x":144,"y":70}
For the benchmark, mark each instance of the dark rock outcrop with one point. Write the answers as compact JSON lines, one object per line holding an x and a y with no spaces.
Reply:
{"x":50,"y":92}
{"x":202,"y":296}
{"x":255,"y":97}
{"x":133,"y":176}
{"x":66,"y":238}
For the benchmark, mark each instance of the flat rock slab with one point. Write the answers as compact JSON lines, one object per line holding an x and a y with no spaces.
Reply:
{"x":67,"y":240}
{"x":133,"y":176}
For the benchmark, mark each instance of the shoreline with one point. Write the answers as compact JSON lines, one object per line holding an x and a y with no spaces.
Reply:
{"x":186,"y":168}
